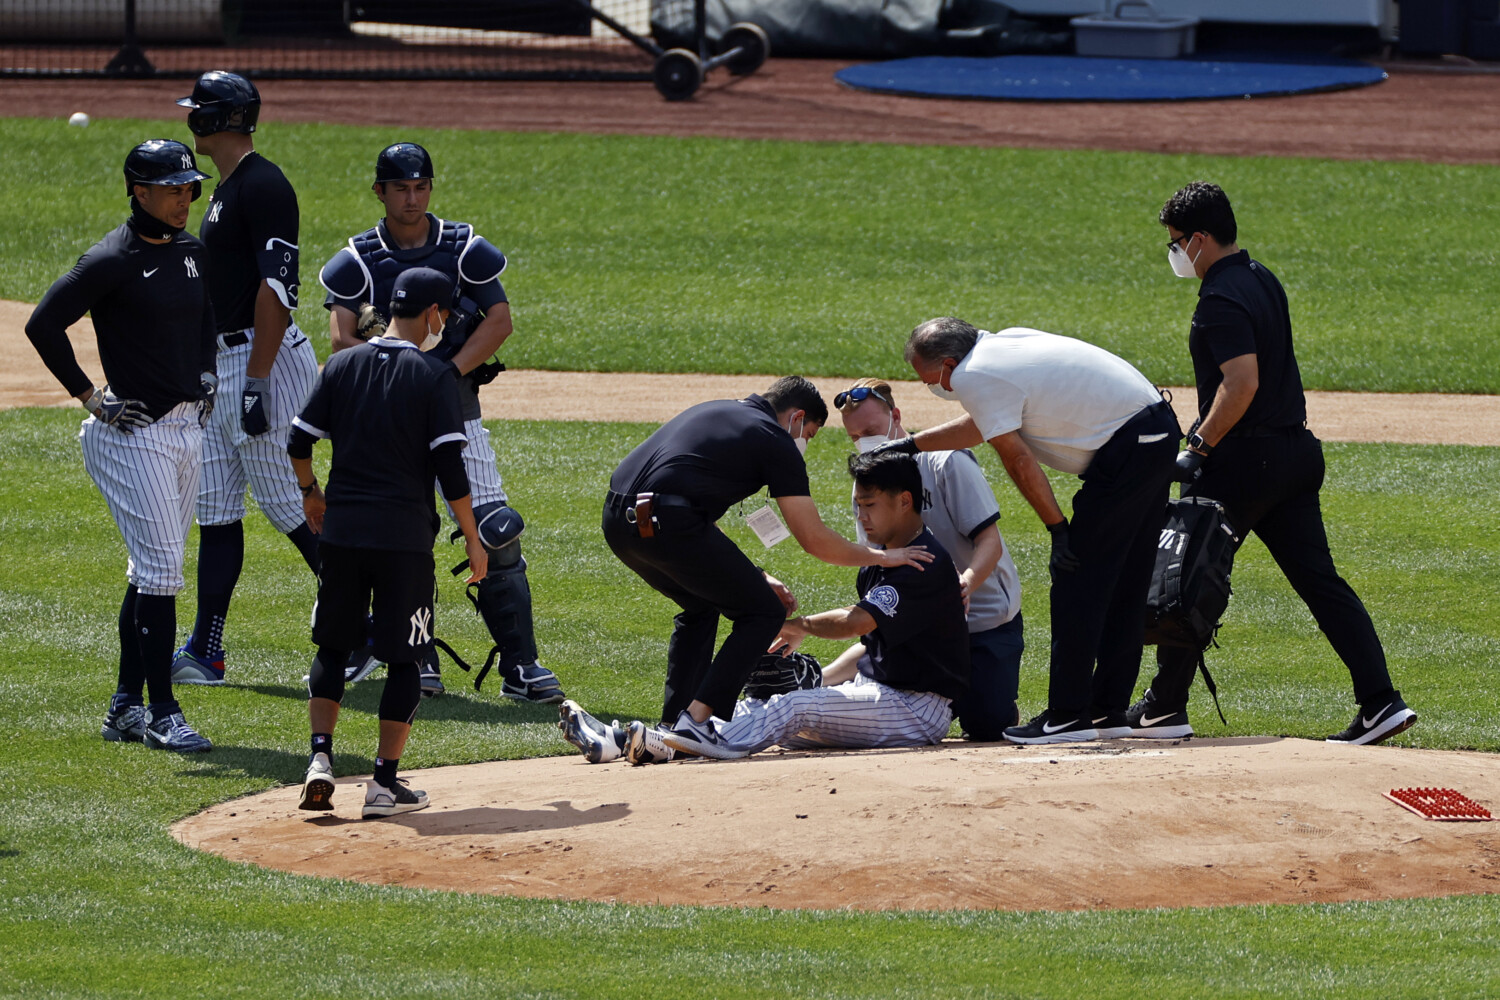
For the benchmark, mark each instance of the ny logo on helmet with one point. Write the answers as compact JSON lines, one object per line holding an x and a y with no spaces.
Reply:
{"x":187,"y":162}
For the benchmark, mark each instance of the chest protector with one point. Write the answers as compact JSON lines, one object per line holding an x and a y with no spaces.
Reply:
{"x":385,"y":264}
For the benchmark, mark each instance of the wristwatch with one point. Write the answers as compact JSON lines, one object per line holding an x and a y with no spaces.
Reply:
{"x":1195,"y":442}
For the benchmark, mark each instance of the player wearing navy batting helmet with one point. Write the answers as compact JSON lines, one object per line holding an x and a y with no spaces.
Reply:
{"x":360,"y":279}
{"x":145,"y":286}
{"x":266,"y":364}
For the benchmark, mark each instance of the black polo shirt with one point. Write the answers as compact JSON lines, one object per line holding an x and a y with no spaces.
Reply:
{"x":385,"y":406}
{"x":250,"y":229}
{"x":921,"y":638}
{"x":1242,"y":309}
{"x":152,"y":317}
{"x":716,"y":454}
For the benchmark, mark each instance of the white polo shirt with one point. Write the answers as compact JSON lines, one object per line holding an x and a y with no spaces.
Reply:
{"x":1064,"y":396}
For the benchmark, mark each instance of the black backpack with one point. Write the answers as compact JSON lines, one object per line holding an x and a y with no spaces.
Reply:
{"x":1190,"y":582}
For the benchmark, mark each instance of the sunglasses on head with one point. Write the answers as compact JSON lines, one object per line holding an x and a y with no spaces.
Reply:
{"x":858,"y":395}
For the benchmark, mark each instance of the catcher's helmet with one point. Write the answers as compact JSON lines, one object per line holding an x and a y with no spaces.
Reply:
{"x":222,"y":102}
{"x":405,"y":161}
{"x":164,"y":162}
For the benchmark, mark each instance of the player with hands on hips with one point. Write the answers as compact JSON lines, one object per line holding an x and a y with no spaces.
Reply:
{"x":266,"y":364}
{"x":145,"y":286}
{"x":392,"y":413}
{"x":359,"y":279}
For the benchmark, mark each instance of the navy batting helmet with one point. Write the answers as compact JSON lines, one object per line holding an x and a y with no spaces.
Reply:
{"x":405,"y":161}
{"x":164,"y":162}
{"x":222,"y":102}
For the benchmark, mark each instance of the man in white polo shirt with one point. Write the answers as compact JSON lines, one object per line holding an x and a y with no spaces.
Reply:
{"x":1039,"y":398}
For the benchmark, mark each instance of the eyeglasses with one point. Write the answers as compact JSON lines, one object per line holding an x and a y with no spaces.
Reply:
{"x":1171,"y":244}
{"x":858,"y":395}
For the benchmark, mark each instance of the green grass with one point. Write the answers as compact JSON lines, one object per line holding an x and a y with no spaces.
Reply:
{"x":98,"y":900}
{"x":663,"y":254}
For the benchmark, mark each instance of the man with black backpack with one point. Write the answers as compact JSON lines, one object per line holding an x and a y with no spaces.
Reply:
{"x":1250,"y":450}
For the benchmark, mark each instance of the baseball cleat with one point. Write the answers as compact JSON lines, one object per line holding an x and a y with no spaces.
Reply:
{"x":429,"y":675}
{"x":1377,"y":726}
{"x":1112,"y":726}
{"x":317,"y":787}
{"x":600,"y":743}
{"x":173,"y":733}
{"x":644,"y":745}
{"x":1051,"y":728}
{"x":534,"y":683}
{"x":383,"y":801}
{"x":126,"y":724}
{"x":700,"y":739}
{"x":361,"y":664}
{"x":190,"y":668}
{"x":1148,"y":720}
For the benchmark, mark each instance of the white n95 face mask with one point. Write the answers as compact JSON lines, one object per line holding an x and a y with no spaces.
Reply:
{"x":937,"y":390}
{"x":797,"y":438}
{"x":1181,"y":265}
{"x":869,"y":442}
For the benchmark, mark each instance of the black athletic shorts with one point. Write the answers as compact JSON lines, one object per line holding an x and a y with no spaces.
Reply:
{"x":402,"y":583}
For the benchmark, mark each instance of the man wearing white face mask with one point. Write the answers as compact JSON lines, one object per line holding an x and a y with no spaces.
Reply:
{"x":962,"y":514}
{"x":660,"y":519}
{"x":1251,"y":450}
{"x":1037,"y":397}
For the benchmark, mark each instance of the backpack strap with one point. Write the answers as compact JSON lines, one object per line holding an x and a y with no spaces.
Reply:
{"x":1208,"y":682}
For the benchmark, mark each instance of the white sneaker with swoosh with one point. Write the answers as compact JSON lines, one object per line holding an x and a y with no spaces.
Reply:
{"x":1391,"y":717}
{"x":1051,"y":728}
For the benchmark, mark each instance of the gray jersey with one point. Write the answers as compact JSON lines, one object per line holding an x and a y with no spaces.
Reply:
{"x":960,"y":504}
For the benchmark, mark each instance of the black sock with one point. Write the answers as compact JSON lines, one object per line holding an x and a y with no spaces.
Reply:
{"x":385,"y":771}
{"x":322,"y":743}
{"x":221,"y":556}
{"x":307,"y":544}
{"x":155,"y":635}
{"x":132,"y":677}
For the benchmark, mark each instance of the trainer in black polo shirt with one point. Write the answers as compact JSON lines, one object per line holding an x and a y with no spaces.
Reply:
{"x":1251,"y":450}
{"x":392,"y":414}
{"x":659,"y":520}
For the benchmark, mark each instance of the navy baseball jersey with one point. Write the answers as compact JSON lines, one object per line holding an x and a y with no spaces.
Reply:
{"x":152,"y":316}
{"x":716,"y":454}
{"x":921,"y":640}
{"x":250,"y":230}
{"x":385,"y":406}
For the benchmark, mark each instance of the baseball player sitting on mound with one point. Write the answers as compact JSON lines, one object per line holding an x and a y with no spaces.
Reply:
{"x":392,"y":413}
{"x":899,"y":692}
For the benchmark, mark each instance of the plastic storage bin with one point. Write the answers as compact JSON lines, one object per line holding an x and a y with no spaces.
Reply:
{"x":1148,"y":37}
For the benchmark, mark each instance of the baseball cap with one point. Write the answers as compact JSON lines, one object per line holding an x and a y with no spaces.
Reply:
{"x":420,"y":288}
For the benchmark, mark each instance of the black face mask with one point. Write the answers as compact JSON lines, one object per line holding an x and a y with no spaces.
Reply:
{"x":147,"y":225}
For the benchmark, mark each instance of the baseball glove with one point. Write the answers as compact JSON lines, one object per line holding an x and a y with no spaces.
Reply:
{"x":781,"y":674}
{"x":370,"y":324}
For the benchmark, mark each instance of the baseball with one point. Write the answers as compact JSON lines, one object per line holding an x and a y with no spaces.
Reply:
{"x":78,"y":118}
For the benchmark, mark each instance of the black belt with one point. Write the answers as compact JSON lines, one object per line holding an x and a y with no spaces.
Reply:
{"x":234,"y":339}
{"x":623,"y":501}
{"x":1264,"y":432}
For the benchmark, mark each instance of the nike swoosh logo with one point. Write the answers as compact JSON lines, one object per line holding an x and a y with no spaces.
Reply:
{"x":1049,"y":728}
{"x":1147,"y":721}
{"x":147,"y":274}
{"x":1370,"y":723}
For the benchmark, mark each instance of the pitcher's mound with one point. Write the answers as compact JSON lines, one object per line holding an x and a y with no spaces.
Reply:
{"x":958,"y":826}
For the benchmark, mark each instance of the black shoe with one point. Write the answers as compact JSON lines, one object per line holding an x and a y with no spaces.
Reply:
{"x":1051,"y":728}
{"x":1379,"y":725}
{"x":1148,"y":720}
{"x":1111,"y":725}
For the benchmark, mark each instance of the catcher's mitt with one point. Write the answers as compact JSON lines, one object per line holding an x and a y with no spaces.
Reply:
{"x":780,"y":674}
{"x":370,"y":324}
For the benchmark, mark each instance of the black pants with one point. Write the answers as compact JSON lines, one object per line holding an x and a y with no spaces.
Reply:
{"x":1269,"y":485}
{"x":1098,"y":618}
{"x":693,"y":563}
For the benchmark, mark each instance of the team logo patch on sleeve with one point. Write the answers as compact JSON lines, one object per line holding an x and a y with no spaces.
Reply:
{"x":885,"y":598}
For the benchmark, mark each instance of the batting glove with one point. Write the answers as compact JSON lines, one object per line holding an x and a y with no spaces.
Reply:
{"x":1063,"y":560}
{"x":1189,"y":466}
{"x":208,"y":385}
{"x":126,"y":414}
{"x":905,"y":446}
{"x":253,"y":411}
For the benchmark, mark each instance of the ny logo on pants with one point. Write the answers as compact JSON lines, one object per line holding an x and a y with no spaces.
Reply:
{"x":421,"y":627}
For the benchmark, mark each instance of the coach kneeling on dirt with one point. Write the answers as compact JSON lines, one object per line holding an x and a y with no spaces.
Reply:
{"x":1038,"y":396}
